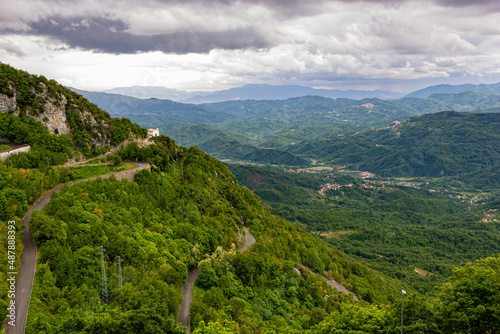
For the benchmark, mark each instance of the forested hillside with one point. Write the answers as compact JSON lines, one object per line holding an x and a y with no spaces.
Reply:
{"x":398,"y":228}
{"x":188,"y":211}
{"x":26,"y":97}
{"x":190,"y":208}
{"x":228,"y":148}
{"x":162,"y":225}
{"x":441,"y":144}
{"x":154,"y":112}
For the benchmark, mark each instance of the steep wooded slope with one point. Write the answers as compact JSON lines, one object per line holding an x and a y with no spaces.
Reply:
{"x":60,"y":110}
{"x":441,"y":144}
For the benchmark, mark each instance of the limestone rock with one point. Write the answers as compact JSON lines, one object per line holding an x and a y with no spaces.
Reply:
{"x":54,"y":113}
{"x":8,"y":104}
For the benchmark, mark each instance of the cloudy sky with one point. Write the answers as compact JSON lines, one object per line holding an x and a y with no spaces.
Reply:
{"x":218,"y":44}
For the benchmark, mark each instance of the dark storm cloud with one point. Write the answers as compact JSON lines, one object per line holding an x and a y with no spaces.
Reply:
{"x":317,"y":42}
{"x":111,"y":36}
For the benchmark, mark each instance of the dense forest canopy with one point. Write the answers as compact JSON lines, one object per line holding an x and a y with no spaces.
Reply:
{"x":371,"y":237}
{"x":407,"y":230}
{"x":441,"y":144}
{"x":92,"y":130}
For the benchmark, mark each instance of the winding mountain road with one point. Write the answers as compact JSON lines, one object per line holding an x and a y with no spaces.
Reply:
{"x":187,"y":289}
{"x":27,"y":266}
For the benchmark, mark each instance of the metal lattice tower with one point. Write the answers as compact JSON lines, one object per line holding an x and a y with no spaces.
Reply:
{"x":104,"y":283}
{"x":120,"y":279}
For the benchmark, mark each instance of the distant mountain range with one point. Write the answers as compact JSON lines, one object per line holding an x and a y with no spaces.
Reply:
{"x":157,"y":92}
{"x":246,"y":92}
{"x":444,"y":89}
{"x":283,"y":92}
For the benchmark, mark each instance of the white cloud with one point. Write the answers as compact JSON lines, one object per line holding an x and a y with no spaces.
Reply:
{"x":318,"y":42}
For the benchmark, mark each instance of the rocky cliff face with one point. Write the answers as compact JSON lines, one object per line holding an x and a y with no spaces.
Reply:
{"x":62,"y":111}
{"x":54,"y":113}
{"x":53,"y":116}
{"x":8,"y":104}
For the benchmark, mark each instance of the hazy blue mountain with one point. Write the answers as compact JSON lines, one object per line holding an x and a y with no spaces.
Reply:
{"x":440,"y":89}
{"x":283,"y":92}
{"x":468,"y":101}
{"x":157,"y":92}
{"x":154,"y":112}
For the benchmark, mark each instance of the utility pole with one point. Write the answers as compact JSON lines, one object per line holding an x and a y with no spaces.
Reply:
{"x":403,"y":294}
{"x":104,"y":283}
{"x":120,"y":279}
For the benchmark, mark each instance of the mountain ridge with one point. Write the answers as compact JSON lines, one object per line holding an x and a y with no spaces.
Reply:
{"x":440,"y":89}
{"x":441,"y":144}
{"x":245,"y":92}
{"x":158,"y":92}
{"x":283,"y":92}
{"x":55,"y":120}
{"x":189,"y":208}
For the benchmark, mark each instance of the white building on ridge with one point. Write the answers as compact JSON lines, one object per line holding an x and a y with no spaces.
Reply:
{"x":153,"y":132}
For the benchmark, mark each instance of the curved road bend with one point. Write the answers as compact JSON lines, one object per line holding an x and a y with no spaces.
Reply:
{"x":187,"y":289}
{"x":27,"y":267}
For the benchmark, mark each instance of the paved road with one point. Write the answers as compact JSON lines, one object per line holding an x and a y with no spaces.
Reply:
{"x":187,"y":289}
{"x":250,"y":240}
{"x":27,"y":267}
{"x":187,"y":295}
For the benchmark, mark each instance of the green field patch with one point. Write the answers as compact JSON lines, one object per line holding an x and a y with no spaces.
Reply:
{"x":336,"y":234}
{"x":84,"y":172}
{"x":322,"y":168}
{"x":422,"y":272}
{"x":4,"y":148}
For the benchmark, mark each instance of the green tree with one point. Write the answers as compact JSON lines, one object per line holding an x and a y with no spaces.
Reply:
{"x":215,"y":328}
{"x":470,"y":302}
{"x":354,"y":319}
{"x":208,"y":276}
{"x":117,"y":160}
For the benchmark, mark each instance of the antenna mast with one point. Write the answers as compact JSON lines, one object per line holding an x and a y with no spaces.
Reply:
{"x":104,"y":283}
{"x":120,"y":279}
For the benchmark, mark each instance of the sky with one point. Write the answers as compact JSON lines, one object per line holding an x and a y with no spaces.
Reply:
{"x":219,"y":44}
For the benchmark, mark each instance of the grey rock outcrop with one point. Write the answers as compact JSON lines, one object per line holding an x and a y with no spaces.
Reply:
{"x":8,"y":104}
{"x":53,"y":116}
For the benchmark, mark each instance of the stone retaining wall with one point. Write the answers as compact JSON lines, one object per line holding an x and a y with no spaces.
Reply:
{"x":6,"y":154}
